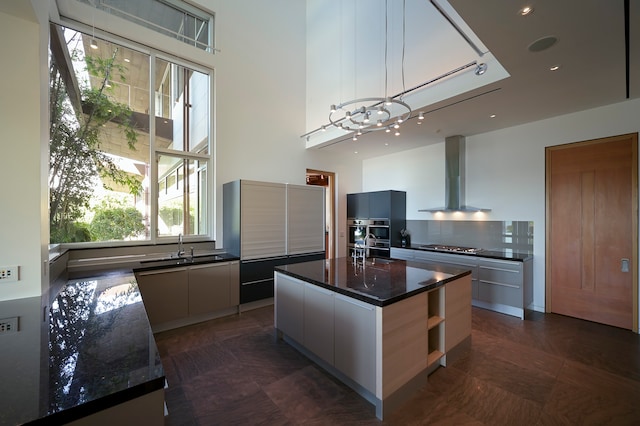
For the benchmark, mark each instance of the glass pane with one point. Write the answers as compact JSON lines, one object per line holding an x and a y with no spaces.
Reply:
{"x":182,"y":96}
{"x":99,"y":140}
{"x":187,"y":26}
{"x":187,"y":200}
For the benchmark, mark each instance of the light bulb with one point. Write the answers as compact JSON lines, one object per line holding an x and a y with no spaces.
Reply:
{"x":94,"y":44}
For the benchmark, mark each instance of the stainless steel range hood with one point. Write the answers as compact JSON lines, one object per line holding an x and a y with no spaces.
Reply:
{"x":455,"y":178}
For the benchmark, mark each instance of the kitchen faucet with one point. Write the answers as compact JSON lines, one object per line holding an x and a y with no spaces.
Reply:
{"x":180,"y":250}
{"x":360,"y":250}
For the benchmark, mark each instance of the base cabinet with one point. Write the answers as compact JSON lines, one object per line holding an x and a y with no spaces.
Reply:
{"x":504,"y":286}
{"x":378,"y":351}
{"x":172,"y":296}
{"x":355,"y":340}
{"x":165,"y":294}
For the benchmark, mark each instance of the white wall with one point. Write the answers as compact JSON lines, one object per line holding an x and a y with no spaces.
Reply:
{"x":22,"y":125}
{"x":260,"y":99}
{"x":505,"y":171}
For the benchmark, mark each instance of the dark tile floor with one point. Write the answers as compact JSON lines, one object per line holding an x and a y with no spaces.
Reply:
{"x":547,"y":370}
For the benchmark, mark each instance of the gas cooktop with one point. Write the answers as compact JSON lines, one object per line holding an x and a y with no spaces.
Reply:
{"x":457,"y":249}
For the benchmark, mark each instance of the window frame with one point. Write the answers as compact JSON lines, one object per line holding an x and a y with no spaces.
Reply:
{"x":188,"y":61}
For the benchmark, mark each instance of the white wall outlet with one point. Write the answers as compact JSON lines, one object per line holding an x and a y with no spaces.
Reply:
{"x":9,"y":274}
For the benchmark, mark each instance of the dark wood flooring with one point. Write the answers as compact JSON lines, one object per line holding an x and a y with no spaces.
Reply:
{"x":546,"y":370}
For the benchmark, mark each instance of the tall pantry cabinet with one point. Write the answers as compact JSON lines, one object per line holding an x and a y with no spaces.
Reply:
{"x":270,"y":224}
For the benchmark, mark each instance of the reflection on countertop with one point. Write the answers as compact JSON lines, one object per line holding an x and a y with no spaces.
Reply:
{"x":378,"y":281}
{"x":95,"y":350}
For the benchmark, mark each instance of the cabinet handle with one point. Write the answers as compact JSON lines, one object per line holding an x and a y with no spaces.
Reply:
{"x":497,"y":283}
{"x":491,"y":268}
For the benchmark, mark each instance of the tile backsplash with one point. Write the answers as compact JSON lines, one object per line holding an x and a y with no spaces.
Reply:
{"x":488,"y":235}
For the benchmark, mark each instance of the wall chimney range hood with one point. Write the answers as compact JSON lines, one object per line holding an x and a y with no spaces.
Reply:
{"x":455,"y":178}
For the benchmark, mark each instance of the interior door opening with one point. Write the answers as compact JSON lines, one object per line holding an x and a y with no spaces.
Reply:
{"x":327,"y":180}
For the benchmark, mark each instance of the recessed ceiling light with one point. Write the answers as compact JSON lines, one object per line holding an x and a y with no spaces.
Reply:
{"x":554,"y":68}
{"x":492,"y":116}
{"x":528,"y":10}
{"x":386,"y":144}
{"x":355,"y":152}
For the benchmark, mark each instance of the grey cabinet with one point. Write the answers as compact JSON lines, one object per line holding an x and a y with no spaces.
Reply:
{"x":358,"y":205}
{"x":504,"y":286}
{"x":165,"y":294}
{"x":305,"y":219}
{"x":213,"y":287}
{"x":178,"y":294}
{"x":268,"y":224}
{"x":501,"y":282}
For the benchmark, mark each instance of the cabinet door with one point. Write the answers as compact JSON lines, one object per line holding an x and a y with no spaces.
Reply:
{"x":457,"y":311}
{"x":305,"y":219}
{"x":358,"y":205}
{"x":318,"y":321}
{"x":209,"y":288}
{"x":289,"y":306}
{"x":263,"y":219}
{"x":355,"y":340}
{"x":380,"y":205}
{"x":165,"y":294}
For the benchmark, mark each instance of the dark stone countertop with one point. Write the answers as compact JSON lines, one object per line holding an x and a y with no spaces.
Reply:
{"x":377,"y":281}
{"x":94,"y":350}
{"x":503,"y":254}
{"x":149,"y":265}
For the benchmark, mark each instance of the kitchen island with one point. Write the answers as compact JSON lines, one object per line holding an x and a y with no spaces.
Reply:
{"x":380,"y":325}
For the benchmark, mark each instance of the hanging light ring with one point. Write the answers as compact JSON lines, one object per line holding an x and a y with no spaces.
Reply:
{"x":377,"y":114}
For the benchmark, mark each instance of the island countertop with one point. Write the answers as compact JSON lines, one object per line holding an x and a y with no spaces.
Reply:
{"x":377,"y":281}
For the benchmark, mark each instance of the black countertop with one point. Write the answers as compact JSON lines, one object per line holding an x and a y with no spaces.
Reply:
{"x":186,"y":260}
{"x":94,"y":349}
{"x":503,"y":254}
{"x":377,"y":281}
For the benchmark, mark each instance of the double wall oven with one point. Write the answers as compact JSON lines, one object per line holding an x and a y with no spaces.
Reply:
{"x":373,"y":233}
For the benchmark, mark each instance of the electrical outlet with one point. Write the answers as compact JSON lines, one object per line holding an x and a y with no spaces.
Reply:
{"x":8,"y":325}
{"x":9,"y":274}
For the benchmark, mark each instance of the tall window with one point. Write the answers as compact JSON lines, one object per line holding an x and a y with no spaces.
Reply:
{"x":129,"y":142}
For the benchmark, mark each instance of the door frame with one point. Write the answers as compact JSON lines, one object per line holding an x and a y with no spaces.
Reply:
{"x":634,"y":216}
{"x":331,"y":209}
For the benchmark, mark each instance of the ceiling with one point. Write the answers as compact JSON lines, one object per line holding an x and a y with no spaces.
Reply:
{"x":590,"y":51}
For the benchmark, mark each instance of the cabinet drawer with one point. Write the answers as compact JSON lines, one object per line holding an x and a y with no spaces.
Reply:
{"x":503,"y":294}
{"x":503,"y":274}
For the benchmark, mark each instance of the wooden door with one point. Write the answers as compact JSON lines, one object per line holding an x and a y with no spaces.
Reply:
{"x":592,"y":230}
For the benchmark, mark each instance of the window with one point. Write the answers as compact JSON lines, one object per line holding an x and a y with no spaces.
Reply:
{"x":171,"y":18}
{"x":106,"y":148}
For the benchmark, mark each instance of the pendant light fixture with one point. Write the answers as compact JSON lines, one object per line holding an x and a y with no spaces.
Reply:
{"x":377,"y":113}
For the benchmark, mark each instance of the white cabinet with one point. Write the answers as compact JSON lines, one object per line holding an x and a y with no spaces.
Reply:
{"x":318,"y":321}
{"x":355,"y":340}
{"x":305,"y":219}
{"x":289,"y":306}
